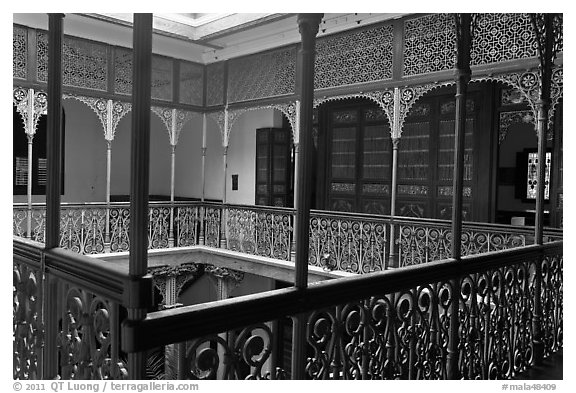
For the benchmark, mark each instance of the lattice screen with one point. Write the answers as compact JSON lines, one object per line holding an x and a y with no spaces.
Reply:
{"x":503,"y":37}
{"x":122,"y":71}
{"x":19,"y":52}
{"x":215,"y":84}
{"x":364,"y":56}
{"x":162,"y":72}
{"x":84,"y":63}
{"x":191,"y":83}
{"x":268,"y":74}
{"x":430,"y":44}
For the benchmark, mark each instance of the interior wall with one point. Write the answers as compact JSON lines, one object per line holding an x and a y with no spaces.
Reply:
{"x":242,"y":153}
{"x":84,"y":156}
{"x":120,"y":166}
{"x":200,"y":291}
{"x":204,"y":289}
{"x":214,"y":161}
{"x":188,"y":174}
{"x":160,"y":158}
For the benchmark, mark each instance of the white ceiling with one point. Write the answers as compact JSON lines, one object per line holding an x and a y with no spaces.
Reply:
{"x":204,"y":38}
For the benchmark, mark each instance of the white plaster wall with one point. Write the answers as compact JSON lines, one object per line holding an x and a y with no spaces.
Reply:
{"x":84,"y":156}
{"x":188,"y":175}
{"x":242,"y":153}
{"x":120,"y":166}
{"x":159,"y":158}
{"x":214,"y":161}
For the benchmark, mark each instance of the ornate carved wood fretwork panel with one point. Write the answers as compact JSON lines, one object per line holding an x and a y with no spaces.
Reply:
{"x":264,"y":75}
{"x":162,"y":77}
{"x":191,"y":83}
{"x":19,"y":53}
{"x":84,"y":63}
{"x":502,"y":37}
{"x":215,"y":84}
{"x":357,"y":57}
{"x":430,"y":44}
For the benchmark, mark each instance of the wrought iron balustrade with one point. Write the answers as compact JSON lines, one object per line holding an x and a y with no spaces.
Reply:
{"x":471,"y":319}
{"x":349,"y":242}
{"x":66,"y":315}
{"x":356,"y":243}
{"x":425,"y":240}
{"x":259,"y":231}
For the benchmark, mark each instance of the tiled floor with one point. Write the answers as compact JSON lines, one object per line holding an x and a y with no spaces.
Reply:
{"x":551,"y":368}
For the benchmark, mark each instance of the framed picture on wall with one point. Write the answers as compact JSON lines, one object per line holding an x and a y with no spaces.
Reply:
{"x":527,"y":175}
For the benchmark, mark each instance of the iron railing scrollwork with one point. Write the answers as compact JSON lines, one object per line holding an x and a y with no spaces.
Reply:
{"x":353,"y":243}
{"x":392,"y":325}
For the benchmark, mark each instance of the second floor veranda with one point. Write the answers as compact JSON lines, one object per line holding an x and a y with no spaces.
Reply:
{"x":349,"y":242}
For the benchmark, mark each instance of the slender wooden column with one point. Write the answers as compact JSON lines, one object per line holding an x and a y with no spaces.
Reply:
{"x":462,"y":77}
{"x":204,"y":131}
{"x":396,"y":132}
{"x":29,"y":187}
{"x":172,"y":187}
{"x":30,"y":131}
{"x":54,"y":133}
{"x":108,"y":182}
{"x":139,"y":293}
{"x":308,"y":27}
{"x":296,"y":181}
{"x":109,"y":136}
{"x":201,"y":209}
{"x":223,"y":221}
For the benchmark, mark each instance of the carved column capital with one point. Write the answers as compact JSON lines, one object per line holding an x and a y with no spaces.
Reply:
{"x":308,"y":26}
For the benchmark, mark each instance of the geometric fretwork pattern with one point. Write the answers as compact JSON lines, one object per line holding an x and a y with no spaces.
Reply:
{"x":19,"y":53}
{"x":429,"y":44}
{"x":365,"y":56}
{"x":84,"y":63}
{"x":162,"y":78}
{"x":215,"y":84}
{"x":191,"y":83}
{"x":502,"y":37}
{"x":265,"y":75}
{"x":122,"y":71}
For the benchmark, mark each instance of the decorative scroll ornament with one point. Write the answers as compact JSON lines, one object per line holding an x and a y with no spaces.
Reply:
{"x":509,"y":118}
{"x":288,"y":109}
{"x":219,"y":117}
{"x":40,"y":107}
{"x":179,"y":274}
{"x":166,"y":115}
{"x":216,"y":357}
{"x":384,"y":99}
{"x":28,"y":329}
{"x":98,"y":106}
{"x":224,"y":273}
{"x":119,"y":110}
{"x":410,"y":94}
{"x":20,"y":101}
{"x":181,"y":118}
{"x":87,"y":338}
